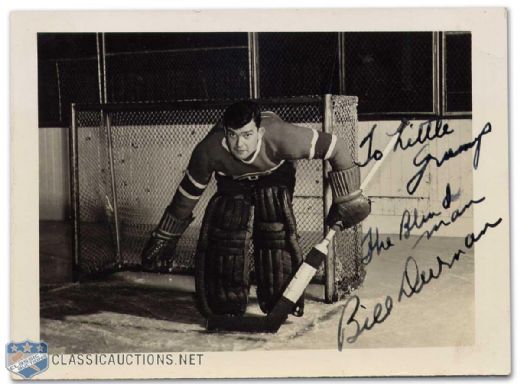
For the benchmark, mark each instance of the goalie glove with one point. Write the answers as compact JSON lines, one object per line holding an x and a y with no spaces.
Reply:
{"x":159,"y":251}
{"x":349,"y":206}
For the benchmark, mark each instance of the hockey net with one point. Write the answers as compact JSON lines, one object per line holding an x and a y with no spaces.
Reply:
{"x":127,"y":160}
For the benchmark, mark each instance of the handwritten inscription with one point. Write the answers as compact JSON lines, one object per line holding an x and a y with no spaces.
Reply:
{"x":355,"y":319}
{"x":371,"y":155}
{"x":471,"y":239}
{"x":409,"y":221}
{"x":348,"y":321}
{"x":352,"y":324}
{"x":413,"y":280}
{"x":455,"y":214}
{"x":449,"y":196}
{"x":374,"y":243}
{"x":414,"y":220}
{"x":426,"y":132}
{"x":423,"y":162}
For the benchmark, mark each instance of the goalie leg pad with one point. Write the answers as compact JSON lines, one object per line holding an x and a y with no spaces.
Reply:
{"x":222,"y":260}
{"x":277,"y":252}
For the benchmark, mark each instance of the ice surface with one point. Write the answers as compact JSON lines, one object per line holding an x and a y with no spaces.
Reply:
{"x":141,"y":312}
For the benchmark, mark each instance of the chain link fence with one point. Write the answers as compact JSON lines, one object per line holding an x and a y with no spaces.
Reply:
{"x":147,"y":152}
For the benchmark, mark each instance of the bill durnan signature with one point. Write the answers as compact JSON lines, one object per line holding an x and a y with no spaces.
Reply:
{"x":352,"y":324}
{"x":356,"y":318}
{"x":414,"y":280}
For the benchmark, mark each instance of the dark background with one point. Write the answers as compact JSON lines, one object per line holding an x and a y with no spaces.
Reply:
{"x":394,"y":74}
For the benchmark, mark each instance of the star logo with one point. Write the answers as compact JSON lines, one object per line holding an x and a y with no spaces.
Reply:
{"x":27,"y":358}
{"x":27,"y":347}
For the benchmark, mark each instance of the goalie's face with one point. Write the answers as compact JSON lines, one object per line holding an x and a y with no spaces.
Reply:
{"x":242,"y":141}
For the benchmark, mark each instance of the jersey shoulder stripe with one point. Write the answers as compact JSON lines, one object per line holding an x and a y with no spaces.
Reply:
{"x":331,"y":148}
{"x":195,"y":182}
{"x":187,"y":194}
{"x":314,"y":140}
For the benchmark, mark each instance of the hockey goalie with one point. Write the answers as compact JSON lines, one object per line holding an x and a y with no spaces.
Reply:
{"x":252,"y":155}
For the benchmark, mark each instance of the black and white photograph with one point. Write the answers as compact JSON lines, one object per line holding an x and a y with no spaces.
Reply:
{"x":260,"y":190}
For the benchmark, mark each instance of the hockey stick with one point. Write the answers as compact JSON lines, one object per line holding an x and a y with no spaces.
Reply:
{"x":273,"y":321}
{"x":388,"y":148}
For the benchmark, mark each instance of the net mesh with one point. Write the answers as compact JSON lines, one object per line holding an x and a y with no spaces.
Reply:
{"x":350,"y":270}
{"x":151,"y":149}
{"x":97,"y":226}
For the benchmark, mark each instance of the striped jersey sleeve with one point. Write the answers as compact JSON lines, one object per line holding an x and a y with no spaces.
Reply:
{"x":191,"y":188}
{"x":295,"y":142}
{"x":195,"y":180}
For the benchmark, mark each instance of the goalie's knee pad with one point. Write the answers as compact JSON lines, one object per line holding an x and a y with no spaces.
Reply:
{"x":277,"y":252}
{"x":222,"y":261}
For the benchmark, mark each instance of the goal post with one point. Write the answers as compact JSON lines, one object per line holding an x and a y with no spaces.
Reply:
{"x":126,"y":161}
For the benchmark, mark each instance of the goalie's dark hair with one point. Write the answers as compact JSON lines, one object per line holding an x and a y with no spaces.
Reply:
{"x":239,"y":114}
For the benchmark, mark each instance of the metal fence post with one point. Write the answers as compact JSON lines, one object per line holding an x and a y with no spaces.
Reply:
{"x":74,"y":194}
{"x":108,"y":127}
{"x":102,"y":68}
{"x":342,"y":63}
{"x":438,"y":78}
{"x":330,"y":261}
{"x":254,"y":66}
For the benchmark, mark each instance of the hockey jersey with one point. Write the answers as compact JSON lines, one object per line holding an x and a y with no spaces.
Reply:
{"x":279,"y":142}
